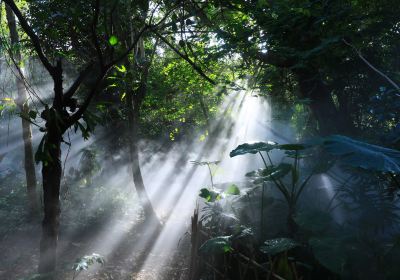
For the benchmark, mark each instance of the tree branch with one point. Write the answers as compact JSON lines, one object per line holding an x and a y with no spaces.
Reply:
{"x":76,"y":116}
{"x":32,"y":35}
{"x":94,"y":34}
{"x":274,"y":59}
{"x":82,"y":75}
{"x":186,"y":58}
{"x":371,"y":66}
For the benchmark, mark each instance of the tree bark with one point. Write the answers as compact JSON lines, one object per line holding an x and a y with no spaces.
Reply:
{"x":133,"y":127}
{"x":134,"y":101}
{"x":51,"y":173}
{"x":22,"y":103}
{"x":322,"y":105}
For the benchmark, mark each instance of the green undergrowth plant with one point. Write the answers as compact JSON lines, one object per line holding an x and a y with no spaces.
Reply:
{"x":286,"y":177}
{"x":360,"y":241}
{"x":85,"y":262}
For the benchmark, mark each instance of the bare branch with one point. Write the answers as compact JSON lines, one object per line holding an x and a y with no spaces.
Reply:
{"x":371,"y":66}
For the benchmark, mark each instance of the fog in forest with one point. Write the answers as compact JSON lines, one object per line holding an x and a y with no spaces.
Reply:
{"x":199,"y":140}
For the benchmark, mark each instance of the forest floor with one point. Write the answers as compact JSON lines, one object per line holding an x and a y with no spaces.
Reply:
{"x":127,"y":257}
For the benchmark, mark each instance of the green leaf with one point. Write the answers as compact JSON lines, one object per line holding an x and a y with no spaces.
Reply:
{"x":329,"y":252}
{"x":278,"y":245}
{"x":270,"y":173}
{"x":113,"y":40}
{"x":84,"y":262}
{"x":253,"y":148}
{"x":209,"y":195}
{"x":32,"y":114}
{"x":121,"y":69}
{"x":217,"y":245}
{"x":233,"y":190}
{"x":292,"y":147}
{"x":363,"y":155}
{"x":315,"y":221}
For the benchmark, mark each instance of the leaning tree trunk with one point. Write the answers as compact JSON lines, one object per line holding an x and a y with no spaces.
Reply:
{"x":22,"y":103}
{"x":133,"y":126}
{"x":134,"y":100}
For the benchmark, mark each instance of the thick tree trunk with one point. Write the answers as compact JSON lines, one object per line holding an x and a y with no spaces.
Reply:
{"x":51,"y":172}
{"x":322,"y":105}
{"x":22,"y":103}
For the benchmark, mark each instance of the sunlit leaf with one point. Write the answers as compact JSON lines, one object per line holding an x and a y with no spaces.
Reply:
{"x":210,"y":195}
{"x":84,"y":262}
{"x":121,"y":69}
{"x":233,"y":190}
{"x":113,"y":40}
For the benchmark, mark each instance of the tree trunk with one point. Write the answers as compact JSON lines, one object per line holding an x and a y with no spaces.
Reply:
{"x":322,"y":105}
{"x":51,"y":172}
{"x":133,"y":125}
{"x":22,"y":103}
{"x":134,"y":100}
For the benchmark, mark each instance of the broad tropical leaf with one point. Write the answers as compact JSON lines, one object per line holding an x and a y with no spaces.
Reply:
{"x":329,"y":252}
{"x":363,"y":155}
{"x":291,"y":147}
{"x":253,"y":148}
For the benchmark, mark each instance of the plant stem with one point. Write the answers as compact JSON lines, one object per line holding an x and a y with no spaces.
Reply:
{"x":269,"y":158}
{"x":263,"y":159}
{"x":211,"y":176}
{"x":262,"y":212}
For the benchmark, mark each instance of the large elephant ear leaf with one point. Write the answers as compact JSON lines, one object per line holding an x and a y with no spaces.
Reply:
{"x":253,"y":148}
{"x":330,"y":253}
{"x":292,"y":147}
{"x":363,"y":155}
{"x":278,"y":245}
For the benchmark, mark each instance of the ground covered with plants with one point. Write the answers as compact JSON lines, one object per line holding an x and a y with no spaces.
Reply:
{"x":199,"y":139}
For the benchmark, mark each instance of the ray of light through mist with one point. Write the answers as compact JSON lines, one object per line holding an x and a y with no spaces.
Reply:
{"x":171,"y":180}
